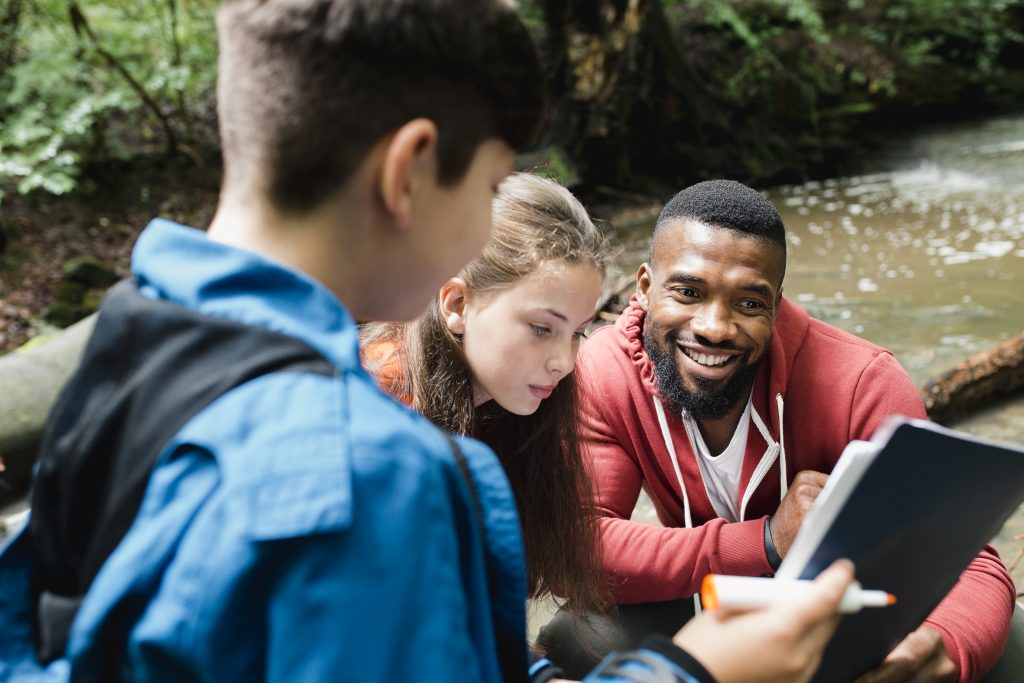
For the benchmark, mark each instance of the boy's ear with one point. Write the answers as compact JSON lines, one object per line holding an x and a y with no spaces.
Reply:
{"x":452,"y":301}
{"x":408,"y":159}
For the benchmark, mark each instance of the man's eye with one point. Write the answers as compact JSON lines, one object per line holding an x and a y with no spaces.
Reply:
{"x":751,"y":305}
{"x":686,"y":292}
{"x":579,"y":335}
{"x":540,"y":330}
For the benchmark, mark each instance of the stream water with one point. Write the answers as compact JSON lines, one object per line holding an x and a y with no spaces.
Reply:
{"x":923,"y":254}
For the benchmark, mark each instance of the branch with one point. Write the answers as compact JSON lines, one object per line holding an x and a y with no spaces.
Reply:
{"x":82,"y":28}
{"x":176,"y":61}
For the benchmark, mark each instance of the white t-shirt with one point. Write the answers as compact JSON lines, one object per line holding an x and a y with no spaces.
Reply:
{"x":722,"y":472}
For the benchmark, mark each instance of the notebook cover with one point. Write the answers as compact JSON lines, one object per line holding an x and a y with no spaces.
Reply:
{"x":928,"y":503}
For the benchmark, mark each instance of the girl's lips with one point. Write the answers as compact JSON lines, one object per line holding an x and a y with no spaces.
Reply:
{"x":541,"y":392}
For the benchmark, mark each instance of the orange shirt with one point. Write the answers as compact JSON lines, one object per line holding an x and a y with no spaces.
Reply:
{"x":383,"y":360}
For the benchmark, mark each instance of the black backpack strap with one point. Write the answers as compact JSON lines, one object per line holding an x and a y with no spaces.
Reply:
{"x":149,"y":367}
{"x":510,"y":646}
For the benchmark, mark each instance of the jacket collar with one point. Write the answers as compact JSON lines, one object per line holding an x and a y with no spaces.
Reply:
{"x":182,"y":265}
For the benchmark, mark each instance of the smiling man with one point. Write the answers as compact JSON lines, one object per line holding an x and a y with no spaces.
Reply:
{"x":729,"y":405}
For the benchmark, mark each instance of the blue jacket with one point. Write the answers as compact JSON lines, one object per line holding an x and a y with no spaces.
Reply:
{"x":300,"y":528}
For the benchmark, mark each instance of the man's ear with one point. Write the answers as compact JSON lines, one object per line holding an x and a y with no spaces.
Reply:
{"x":408,"y":159}
{"x":452,"y":301}
{"x":643,"y":284}
{"x":778,"y":302}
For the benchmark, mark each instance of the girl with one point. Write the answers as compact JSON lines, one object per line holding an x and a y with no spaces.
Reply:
{"x":493,"y":357}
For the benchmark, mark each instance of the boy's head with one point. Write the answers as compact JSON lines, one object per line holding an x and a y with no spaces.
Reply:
{"x":417,"y":100}
{"x":308,"y":87}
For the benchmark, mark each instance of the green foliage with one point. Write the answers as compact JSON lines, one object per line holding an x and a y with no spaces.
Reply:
{"x":93,"y":80}
{"x":794,"y":79}
{"x":552,"y":162}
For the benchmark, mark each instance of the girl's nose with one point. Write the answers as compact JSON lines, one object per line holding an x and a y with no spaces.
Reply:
{"x":562,"y":361}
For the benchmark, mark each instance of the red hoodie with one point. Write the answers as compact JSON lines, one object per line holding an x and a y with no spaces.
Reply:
{"x":827,"y":387}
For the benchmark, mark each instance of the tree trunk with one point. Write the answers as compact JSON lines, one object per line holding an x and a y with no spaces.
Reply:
{"x":976,"y":383}
{"x":31,"y":380}
{"x":625,"y":103}
{"x":10,"y":21}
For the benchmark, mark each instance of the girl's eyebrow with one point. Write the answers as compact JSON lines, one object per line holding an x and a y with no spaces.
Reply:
{"x":554,"y":313}
{"x":560,"y":316}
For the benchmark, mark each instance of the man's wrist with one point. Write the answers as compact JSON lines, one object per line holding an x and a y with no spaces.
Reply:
{"x":769,"y":545}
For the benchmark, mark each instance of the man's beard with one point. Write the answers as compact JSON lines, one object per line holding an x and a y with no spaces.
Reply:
{"x":712,"y":400}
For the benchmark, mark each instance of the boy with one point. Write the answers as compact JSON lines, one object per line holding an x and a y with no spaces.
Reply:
{"x":291,"y":523}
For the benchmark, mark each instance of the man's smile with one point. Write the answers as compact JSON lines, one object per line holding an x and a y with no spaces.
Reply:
{"x":709,"y":364}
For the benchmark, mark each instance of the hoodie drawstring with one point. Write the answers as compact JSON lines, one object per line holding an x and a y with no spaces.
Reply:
{"x":783,"y":482}
{"x":778,"y":446}
{"x":687,"y":520}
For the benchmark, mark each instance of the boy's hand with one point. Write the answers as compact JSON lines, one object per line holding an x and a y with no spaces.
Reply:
{"x":790,"y":514}
{"x":780,"y":644}
{"x":921,"y":658}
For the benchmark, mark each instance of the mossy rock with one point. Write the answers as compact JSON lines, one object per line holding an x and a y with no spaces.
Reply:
{"x":69,"y":292}
{"x":92,"y":300}
{"x":90,"y":272}
{"x":63,"y":314}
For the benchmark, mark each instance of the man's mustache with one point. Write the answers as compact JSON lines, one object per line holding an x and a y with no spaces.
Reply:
{"x":726,"y":345}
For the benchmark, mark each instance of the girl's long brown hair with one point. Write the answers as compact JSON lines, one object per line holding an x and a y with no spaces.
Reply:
{"x":534,"y":220}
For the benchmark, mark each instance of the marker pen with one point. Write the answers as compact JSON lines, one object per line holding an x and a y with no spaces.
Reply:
{"x":747,"y":592}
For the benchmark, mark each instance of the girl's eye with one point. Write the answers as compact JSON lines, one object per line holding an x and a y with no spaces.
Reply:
{"x":540,"y":330}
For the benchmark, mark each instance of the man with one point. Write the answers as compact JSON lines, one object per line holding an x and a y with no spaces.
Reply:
{"x":729,"y":405}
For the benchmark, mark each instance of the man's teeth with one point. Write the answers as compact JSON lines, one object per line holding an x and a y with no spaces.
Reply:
{"x":704,"y":359}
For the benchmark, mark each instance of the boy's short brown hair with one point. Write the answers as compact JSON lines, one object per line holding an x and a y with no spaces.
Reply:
{"x":307,"y":87}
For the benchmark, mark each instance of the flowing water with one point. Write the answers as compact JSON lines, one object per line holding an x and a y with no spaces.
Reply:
{"x":923,"y":254}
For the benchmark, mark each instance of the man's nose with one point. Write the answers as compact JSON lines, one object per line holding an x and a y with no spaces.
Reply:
{"x":714,"y":322}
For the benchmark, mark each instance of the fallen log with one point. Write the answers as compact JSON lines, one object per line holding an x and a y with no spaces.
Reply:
{"x":977,"y":382}
{"x":30,"y":379}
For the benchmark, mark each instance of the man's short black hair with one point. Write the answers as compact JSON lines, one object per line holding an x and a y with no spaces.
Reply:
{"x":306,"y":89}
{"x":725,"y":204}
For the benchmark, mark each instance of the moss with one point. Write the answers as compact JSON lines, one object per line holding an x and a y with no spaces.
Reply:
{"x":90,"y":272}
{"x":69,"y":292}
{"x":63,"y":314}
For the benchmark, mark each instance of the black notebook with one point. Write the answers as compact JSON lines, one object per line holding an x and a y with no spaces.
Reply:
{"x":911,"y":508}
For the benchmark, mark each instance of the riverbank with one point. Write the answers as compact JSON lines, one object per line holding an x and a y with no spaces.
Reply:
{"x":99,"y":220}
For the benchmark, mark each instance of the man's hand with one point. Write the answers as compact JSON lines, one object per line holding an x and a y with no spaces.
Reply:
{"x":794,"y":506}
{"x":779,"y":644}
{"x":920,"y":658}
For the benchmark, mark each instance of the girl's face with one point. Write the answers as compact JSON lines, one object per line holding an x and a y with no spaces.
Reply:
{"x":520,"y":342}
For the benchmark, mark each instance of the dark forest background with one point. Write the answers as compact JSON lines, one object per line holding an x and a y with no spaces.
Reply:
{"x":107,"y":112}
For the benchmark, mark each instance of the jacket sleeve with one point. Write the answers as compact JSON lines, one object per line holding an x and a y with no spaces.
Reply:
{"x":650,"y":563}
{"x":974,"y":618}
